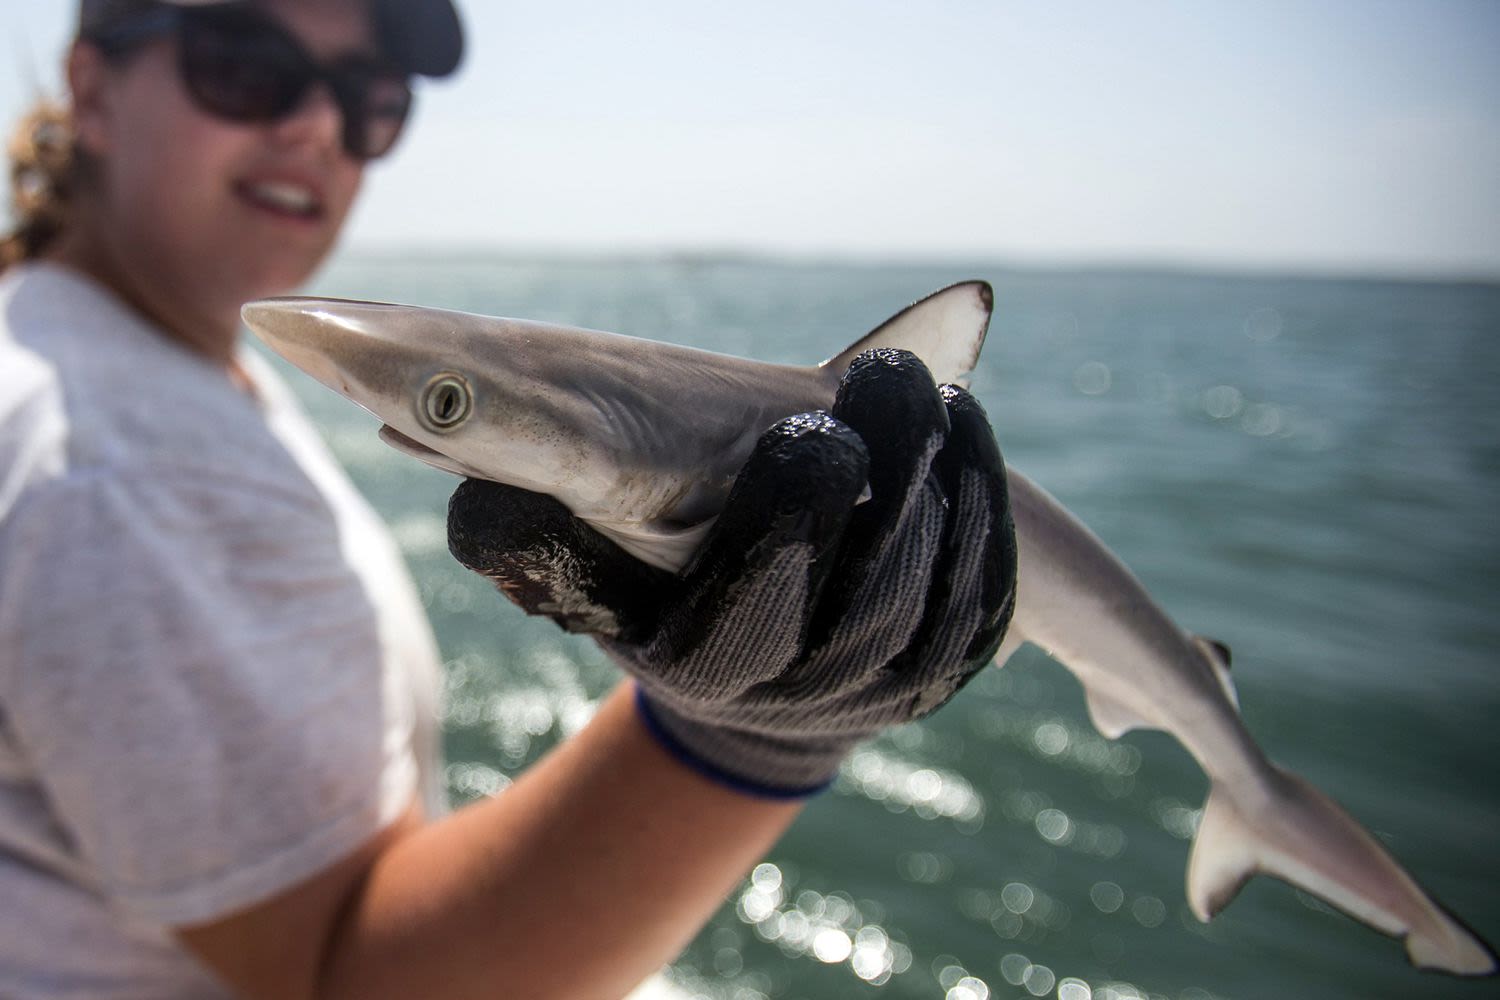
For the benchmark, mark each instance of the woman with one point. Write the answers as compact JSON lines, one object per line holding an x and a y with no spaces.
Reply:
{"x":217,"y":766}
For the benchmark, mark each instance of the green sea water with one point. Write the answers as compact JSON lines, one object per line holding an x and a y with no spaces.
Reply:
{"x":1308,"y":470}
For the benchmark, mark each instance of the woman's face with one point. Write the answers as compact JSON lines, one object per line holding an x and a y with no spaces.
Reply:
{"x":216,"y":212}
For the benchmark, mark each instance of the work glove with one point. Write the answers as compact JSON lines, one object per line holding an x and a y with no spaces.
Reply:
{"x":815,"y":614}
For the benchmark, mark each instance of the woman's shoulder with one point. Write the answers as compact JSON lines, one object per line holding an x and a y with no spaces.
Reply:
{"x":99,"y":394}
{"x":33,"y":429}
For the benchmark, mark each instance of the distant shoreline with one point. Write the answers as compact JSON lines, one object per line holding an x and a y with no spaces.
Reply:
{"x":424,"y":255}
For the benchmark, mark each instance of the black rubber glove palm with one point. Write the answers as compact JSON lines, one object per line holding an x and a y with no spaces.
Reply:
{"x":808,"y":621}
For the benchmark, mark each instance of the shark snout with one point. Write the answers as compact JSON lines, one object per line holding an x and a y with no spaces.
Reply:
{"x":294,"y":329}
{"x":326,"y":339}
{"x":283,"y":321}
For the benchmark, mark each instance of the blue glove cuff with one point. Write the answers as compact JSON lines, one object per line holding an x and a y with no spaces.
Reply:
{"x":713,"y":772}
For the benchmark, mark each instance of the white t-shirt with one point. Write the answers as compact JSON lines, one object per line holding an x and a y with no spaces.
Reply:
{"x":215,"y":676}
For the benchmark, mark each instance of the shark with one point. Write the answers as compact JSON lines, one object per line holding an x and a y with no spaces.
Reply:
{"x":642,"y":440}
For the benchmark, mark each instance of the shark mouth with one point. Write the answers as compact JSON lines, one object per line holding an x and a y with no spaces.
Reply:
{"x":422,"y":453}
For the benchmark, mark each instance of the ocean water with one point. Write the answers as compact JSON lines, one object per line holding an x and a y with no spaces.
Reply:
{"x":1308,"y":470}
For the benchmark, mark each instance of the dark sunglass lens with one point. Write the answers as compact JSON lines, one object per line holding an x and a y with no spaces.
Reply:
{"x":241,"y":67}
{"x":375,"y":106}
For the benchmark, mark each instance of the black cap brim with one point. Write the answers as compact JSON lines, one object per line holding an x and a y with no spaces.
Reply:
{"x":423,"y":36}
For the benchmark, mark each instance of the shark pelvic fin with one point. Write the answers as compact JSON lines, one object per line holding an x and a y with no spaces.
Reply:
{"x":1301,"y":836}
{"x":946,"y":330}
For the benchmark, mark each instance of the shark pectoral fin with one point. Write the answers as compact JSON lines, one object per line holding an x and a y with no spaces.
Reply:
{"x":1013,"y":641}
{"x":668,"y":548}
{"x":946,"y":330}
{"x":1111,"y":718}
{"x":1299,"y":835}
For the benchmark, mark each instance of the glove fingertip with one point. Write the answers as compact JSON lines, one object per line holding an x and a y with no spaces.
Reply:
{"x":489,"y":523}
{"x":889,"y":398}
{"x":973,"y":474}
{"x":884,"y":379}
{"x":799,"y":484}
{"x":971,"y":439}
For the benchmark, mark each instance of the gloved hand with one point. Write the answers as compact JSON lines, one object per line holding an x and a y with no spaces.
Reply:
{"x":808,"y":621}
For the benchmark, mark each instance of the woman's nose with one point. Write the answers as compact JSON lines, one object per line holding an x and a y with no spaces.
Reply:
{"x":317,"y":118}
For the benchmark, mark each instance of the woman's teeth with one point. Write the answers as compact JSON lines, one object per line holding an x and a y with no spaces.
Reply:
{"x":291,"y":198}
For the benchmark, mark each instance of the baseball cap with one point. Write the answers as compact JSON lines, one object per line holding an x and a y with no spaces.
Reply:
{"x":422,"y":36}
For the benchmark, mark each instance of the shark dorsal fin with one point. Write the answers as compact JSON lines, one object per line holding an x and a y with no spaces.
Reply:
{"x":946,"y":330}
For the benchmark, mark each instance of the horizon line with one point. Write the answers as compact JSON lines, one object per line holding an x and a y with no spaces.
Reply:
{"x":697,"y":255}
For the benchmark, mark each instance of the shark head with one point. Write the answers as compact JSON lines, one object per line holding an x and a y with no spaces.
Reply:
{"x":457,"y":391}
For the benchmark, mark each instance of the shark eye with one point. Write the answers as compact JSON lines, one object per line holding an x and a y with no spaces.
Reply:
{"x":445,"y":403}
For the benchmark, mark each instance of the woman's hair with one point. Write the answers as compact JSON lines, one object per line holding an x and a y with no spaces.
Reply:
{"x":43,"y":177}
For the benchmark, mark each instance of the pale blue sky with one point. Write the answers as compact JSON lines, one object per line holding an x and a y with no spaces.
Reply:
{"x":1316,"y":134}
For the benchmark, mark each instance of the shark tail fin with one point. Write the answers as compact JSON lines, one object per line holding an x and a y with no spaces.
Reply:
{"x":946,"y":330}
{"x":1297,"y":834}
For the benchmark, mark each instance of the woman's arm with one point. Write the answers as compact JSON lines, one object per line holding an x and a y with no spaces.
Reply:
{"x":589,"y":873}
{"x":806,"y":623}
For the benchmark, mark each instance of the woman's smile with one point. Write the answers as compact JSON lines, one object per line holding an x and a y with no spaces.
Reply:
{"x":282,"y":196}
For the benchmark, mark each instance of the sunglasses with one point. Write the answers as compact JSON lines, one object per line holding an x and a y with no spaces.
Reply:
{"x":242,"y":66}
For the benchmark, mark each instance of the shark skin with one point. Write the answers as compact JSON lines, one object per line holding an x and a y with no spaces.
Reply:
{"x":642,"y":440}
